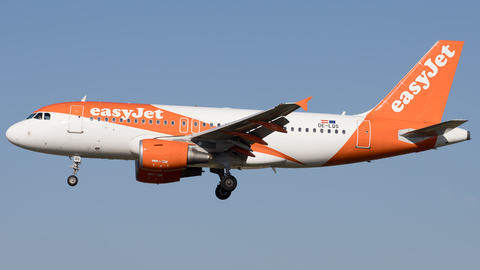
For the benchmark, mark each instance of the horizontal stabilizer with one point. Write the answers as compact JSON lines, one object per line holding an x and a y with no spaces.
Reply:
{"x":435,"y":130}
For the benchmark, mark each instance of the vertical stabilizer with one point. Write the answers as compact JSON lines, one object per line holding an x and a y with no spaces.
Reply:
{"x":422,"y":94}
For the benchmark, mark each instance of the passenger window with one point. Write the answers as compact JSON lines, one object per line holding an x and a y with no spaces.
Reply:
{"x":113,"y":119}
{"x":128,"y":120}
{"x":173,"y":123}
{"x":150,"y":121}
{"x":211,"y":124}
{"x":165,"y":122}
{"x":314,"y":130}
{"x":292,"y":129}
{"x":306,"y":130}
{"x":336,"y":131}
{"x":343,"y":131}
{"x":39,"y":116}
{"x":98,"y":119}
{"x":120,"y":120}
{"x":299,"y":129}
{"x":136,"y":121}
{"x":47,"y":116}
{"x":106,"y":119}
{"x":91,"y":118}
{"x":143,"y":121}
{"x":329,"y":131}
{"x":321,"y":130}
{"x":158,"y":122}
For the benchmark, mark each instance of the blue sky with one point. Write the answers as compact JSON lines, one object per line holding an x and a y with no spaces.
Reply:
{"x":420,"y":211}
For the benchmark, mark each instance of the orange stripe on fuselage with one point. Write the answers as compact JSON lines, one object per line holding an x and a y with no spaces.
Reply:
{"x":115,"y":111}
{"x":269,"y":151}
{"x":384,"y":142}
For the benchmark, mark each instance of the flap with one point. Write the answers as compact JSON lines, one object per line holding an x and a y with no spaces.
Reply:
{"x":248,"y":125}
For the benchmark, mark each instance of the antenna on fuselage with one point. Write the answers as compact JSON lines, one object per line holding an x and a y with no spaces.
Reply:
{"x":84,"y":98}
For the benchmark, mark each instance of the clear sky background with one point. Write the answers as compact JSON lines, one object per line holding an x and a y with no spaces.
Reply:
{"x":419,"y":211}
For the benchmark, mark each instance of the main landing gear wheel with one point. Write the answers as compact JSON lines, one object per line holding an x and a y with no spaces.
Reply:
{"x":222,"y":194}
{"x":228,"y":183}
{"x":72,"y":180}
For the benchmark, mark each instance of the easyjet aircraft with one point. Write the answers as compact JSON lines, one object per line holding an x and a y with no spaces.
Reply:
{"x":171,"y":142}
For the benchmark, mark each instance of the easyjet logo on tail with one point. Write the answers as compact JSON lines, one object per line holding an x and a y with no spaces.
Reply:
{"x":422,"y":82}
{"x":125,"y":114}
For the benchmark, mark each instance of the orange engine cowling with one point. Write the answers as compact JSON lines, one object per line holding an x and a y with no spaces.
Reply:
{"x":162,"y":155}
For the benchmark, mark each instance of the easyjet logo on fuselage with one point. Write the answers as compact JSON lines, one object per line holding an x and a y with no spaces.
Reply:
{"x":423,"y":78}
{"x":125,"y":114}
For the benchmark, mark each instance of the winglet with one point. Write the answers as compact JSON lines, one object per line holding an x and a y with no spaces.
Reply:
{"x":304,"y":103}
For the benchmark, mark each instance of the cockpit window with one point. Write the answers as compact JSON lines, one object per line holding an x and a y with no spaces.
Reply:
{"x":39,"y":116}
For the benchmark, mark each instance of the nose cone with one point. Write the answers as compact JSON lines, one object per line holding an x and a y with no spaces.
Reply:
{"x":12,"y":134}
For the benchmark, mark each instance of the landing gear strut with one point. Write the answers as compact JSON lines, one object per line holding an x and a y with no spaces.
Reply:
{"x":227,"y":184}
{"x":72,"y":180}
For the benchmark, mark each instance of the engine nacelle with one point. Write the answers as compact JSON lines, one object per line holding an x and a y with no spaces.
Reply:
{"x":162,"y":155}
{"x":158,"y":177}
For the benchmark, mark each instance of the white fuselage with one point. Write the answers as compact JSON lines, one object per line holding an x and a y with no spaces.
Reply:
{"x":308,"y":139}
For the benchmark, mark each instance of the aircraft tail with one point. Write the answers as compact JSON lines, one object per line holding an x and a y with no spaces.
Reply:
{"x":422,"y":94}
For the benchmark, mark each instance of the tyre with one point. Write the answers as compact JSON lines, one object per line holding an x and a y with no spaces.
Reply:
{"x":222,"y":194}
{"x":228,"y":183}
{"x":72,"y":180}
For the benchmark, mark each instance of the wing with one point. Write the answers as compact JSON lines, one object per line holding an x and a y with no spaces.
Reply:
{"x":240,"y":134}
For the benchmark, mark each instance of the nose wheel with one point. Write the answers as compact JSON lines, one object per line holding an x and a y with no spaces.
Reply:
{"x":72,"y":180}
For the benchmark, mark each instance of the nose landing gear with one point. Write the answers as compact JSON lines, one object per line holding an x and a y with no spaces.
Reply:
{"x":72,"y":180}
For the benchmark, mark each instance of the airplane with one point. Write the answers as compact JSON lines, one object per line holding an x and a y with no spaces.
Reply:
{"x":168,"y":143}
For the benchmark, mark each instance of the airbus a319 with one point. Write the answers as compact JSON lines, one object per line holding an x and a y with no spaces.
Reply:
{"x":168,"y":143}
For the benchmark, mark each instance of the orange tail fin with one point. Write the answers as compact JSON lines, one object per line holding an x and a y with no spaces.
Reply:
{"x":422,"y":94}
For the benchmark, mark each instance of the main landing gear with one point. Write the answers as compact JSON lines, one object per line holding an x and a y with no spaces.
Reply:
{"x":227,"y":184}
{"x":72,"y":180}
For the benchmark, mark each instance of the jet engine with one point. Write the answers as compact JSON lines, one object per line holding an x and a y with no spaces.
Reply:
{"x":161,"y":155}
